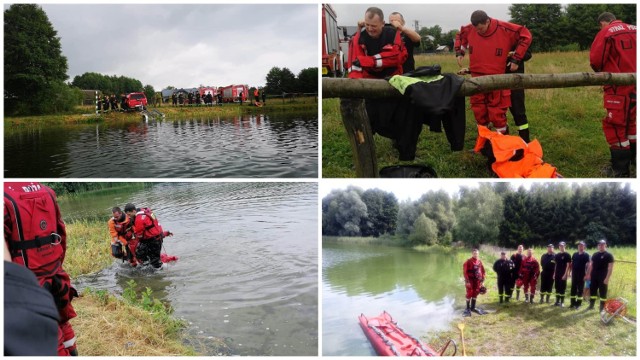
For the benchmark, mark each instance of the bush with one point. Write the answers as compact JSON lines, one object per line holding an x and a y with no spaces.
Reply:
{"x":567,"y":48}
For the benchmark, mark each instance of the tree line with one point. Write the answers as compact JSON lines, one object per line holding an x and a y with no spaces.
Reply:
{"x":493,"y":213}
{"x":555,"y":27}
{"x":279,"y":81}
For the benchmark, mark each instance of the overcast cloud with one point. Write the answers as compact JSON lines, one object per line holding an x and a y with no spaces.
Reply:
{"x":187,"y":45}
{"x":448,"y":16}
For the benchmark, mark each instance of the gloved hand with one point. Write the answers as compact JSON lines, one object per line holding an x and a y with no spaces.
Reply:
{"x":464,"y":71}
{"x":167,"y":233}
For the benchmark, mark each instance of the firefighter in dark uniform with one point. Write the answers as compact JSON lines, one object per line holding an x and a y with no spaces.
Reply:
{"x":517,"y":261}
{"x":579,"y":262}
{"x":548,"y":262}
{"x":599,"y":272}
{"x":563,"y":263}
{"x":504,"y":269}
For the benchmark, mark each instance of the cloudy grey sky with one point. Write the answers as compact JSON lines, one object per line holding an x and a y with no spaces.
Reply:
{"x":187,"y":45}
{"x":448,"y":16}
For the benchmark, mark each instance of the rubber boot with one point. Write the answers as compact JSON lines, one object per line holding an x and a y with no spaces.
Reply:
{"x":620,"y":161}
{"x":601,"y":305}
{"x":473,"y":304}
{"x":531,"y":298}
{"x":541,"y":298}
{"x":548,"y":295}
{"x":501,"y":298}
{"x":557,"y":303}
{"x":524,"y":134}
{"x":506,"y":299}
{"x":517,"y":294}
{"x":573,"y":303}
{"x":561,"y":301}
{"x":578,"y":303}
{"x":526,"y":297}
{"x":591,"y":304}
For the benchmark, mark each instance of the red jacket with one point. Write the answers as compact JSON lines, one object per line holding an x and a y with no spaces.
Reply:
{"x":146,"y":226}
{"x":473,"y":270}
{"x":614,"y":48}
{"x":488,"y":52}
{"x":362,"y":64}
{"x":530,"y":267}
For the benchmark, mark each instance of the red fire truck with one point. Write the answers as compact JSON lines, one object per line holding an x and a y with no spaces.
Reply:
{"x":231,"y":93}
{"x":333,"y":58}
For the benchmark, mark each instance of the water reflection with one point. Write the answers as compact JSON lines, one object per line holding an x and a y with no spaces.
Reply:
{"x":417,"y":289}
{"x":240,"y":146}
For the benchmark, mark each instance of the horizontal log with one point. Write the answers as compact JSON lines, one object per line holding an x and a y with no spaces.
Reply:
{"x":373,"y":88}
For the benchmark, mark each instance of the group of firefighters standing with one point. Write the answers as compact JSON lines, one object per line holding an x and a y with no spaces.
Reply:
{"x":498,"y":47}
{"x":522,"y":271}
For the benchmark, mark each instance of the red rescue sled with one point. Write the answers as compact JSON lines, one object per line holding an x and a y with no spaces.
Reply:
{"x":388,"y":339}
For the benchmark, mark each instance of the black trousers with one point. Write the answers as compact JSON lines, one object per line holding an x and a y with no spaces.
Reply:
{"x":546,"y":283}
{"x":504,"y":286}
{"x":561,"y":287}
{"x":598,"y":287}
{"x":149,"y":251}
{"x":577,"y":287}
{"x":517,"y":107}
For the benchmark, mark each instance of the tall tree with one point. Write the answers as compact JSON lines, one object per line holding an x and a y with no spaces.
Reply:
{"x":280,"y":81}
{"x":33,"y":62}
{"x":342,"y":212}
{"x":149,"y":92}
{"x":382,"y":213}
{"x":479,"y":213}
{"x":308,"y":80}
{"x":425,"y":231}
{"x":543,"y":20}
{"x":582,"y":24}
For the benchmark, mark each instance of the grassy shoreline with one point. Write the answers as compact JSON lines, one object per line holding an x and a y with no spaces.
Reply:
{"x":134,"y":328}
{"x":86,"y":114}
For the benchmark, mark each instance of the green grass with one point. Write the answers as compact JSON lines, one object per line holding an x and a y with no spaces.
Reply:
{"x":359,"y":240}
{"x":520,"y":329}
{"x":88,"y":248}
{"x":567,"y":122}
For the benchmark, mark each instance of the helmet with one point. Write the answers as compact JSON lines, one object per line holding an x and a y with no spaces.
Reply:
{"x":483,"y":290}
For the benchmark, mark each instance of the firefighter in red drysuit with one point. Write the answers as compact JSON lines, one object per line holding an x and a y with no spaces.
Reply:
{"x":489,"y":43}
{"x":149,"y":233}
{"x":37,"y":239}
{"x":121,"y":230}
{"x":614,"y":50}
{"x":376,"y":52}
{"x":529,"y":272}
{"x":473,"y":279}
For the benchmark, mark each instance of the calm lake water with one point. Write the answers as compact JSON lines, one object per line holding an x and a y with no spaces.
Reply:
{"x":248,"y":261}
{"x":417,"y":289}
{"x":243,"y":146}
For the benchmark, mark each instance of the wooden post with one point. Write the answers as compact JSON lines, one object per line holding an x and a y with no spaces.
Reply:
{"x":356,"y":122}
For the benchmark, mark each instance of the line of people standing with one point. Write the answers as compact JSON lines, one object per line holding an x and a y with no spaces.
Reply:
{"x":557,"y":267}
{"x":521,"y":272}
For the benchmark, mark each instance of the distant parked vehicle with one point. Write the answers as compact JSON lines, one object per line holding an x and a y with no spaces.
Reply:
{"x":231,"y":93}
{"x":135,"y":101}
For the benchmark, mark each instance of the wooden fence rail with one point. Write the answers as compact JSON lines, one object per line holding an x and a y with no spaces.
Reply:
{"x":352,"y":93}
